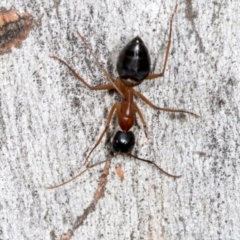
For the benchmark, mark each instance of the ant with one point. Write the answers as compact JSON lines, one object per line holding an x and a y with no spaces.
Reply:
{"x":133,"y":67}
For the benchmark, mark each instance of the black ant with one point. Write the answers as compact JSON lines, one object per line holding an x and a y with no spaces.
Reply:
{"x":133,"y":67}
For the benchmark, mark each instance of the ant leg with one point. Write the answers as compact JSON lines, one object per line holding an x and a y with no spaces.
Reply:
{"x":152,"y":76}
{"x":78,"y":175}
{"x":104,"y":131}
{"x":102,"y":87}
{"x":141,"y":117}
{"x":153,"y":163}
{"x":100,"y":66}
{"x":163,"y":109}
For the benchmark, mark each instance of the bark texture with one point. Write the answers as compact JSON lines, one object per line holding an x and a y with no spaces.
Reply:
{"x":49,"y":121}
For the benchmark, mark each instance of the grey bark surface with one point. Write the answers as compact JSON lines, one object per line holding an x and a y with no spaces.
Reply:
{"x":49,"y":121}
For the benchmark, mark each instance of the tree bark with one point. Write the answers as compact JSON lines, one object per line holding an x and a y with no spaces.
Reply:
{"x":49,"y":122}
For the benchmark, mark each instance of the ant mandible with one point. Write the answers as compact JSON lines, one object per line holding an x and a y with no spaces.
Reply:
{"x":133,"y":67}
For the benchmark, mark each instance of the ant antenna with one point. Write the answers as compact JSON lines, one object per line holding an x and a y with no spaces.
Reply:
{"x":78,"y":175}
{"x":111,"y":156}
{"x":153,"y":163}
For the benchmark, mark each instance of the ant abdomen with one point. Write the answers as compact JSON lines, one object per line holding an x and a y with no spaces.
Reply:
{"x":123,"y":142}
{"x":133,"y":63}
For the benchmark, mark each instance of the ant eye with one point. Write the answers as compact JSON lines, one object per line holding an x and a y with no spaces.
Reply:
{"x":123,"y":142}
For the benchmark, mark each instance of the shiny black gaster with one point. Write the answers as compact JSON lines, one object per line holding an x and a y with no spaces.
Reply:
{"x":134,"y":62}
{"x":123,"y":142}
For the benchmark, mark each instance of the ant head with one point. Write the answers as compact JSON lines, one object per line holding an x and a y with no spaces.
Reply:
{"x":123,"y":142}
{"x":133,"y":63}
